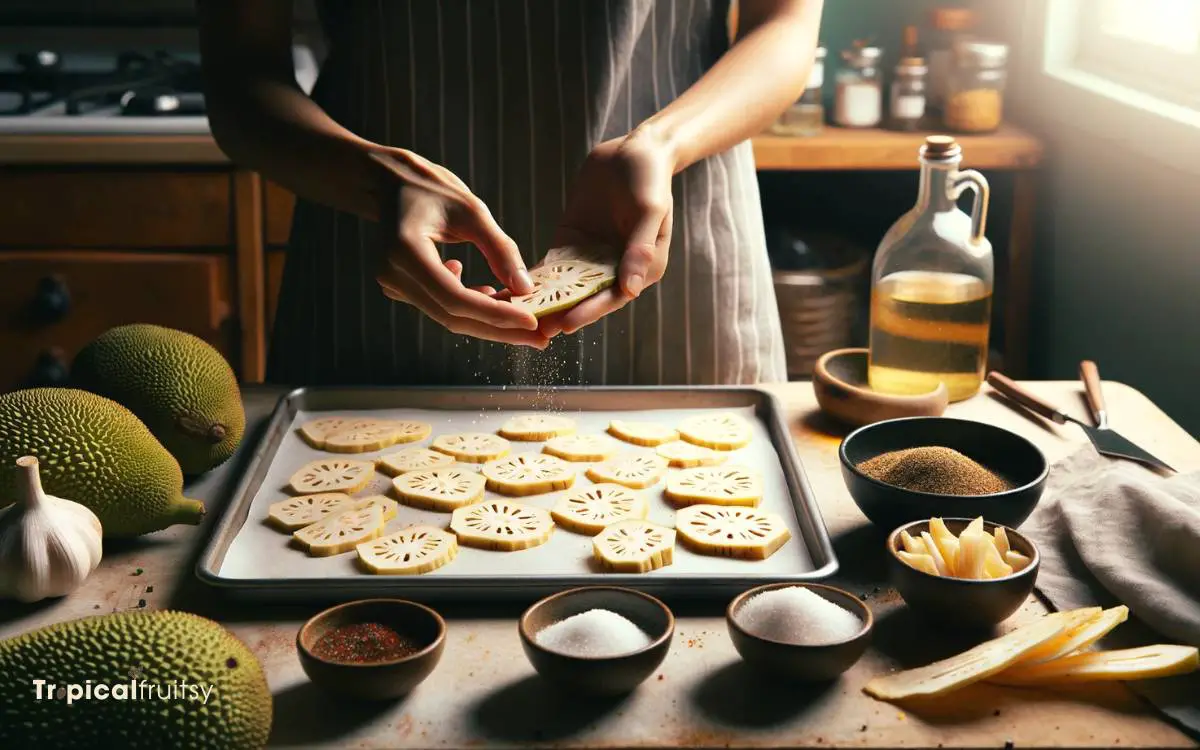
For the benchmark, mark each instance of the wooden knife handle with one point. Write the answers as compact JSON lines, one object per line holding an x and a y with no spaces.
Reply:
{"x":1090,"y":374}
{"x":1024,"y":397}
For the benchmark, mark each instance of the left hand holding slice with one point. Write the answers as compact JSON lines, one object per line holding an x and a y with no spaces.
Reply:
{"x":562,"y":284}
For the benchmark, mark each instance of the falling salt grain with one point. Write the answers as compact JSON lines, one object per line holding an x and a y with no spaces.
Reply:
{"x":596,"y":632}
{"x":796,"y":615}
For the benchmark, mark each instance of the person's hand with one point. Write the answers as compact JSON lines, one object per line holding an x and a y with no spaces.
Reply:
{"x":423,"y":203}
{"x":621,"y":198}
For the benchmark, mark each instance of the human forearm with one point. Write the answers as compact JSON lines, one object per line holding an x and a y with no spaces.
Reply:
{"x":760,"y":76}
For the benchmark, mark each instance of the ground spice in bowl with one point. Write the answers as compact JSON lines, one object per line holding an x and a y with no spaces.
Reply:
{"x":363,"y":642}
{"x":934,"y":469}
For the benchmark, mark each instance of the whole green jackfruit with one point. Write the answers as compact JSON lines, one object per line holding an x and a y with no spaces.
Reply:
{"x":166,"y":679}
{"x":178,"y":384}
{"x":95,"y":452}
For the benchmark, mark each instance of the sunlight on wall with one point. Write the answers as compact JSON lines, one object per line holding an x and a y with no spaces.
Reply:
{"x":1173,"y":24}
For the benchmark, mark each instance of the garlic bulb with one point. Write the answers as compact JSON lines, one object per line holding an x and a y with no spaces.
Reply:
{"x":48,"y":546}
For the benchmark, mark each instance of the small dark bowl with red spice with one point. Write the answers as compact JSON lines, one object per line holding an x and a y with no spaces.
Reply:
{"x":375,"y":649}
{"x":1009,"y":457}
{"x":962,"y":603}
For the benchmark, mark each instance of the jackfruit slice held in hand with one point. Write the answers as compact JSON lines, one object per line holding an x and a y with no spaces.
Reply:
{"x":562,"y":284}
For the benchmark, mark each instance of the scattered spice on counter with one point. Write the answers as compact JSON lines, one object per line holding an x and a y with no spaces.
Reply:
{"x":796,"y":615}
{"x":363,"y":642}
{"x":594,"y":633}
{"x":936,"y":469}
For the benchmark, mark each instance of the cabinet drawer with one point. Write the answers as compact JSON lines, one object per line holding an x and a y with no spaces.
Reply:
{"x":279,"y":205}
{"x":53,"y":303}
{"x":109,"y":209}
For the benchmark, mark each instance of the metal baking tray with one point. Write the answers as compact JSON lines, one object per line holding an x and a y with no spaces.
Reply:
{"x":247,"y":557}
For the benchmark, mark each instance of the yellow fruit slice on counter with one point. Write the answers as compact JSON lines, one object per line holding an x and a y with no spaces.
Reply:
{"x":1098,"y":666}
{"x":537,"y":427}
{"x":723,"y":431}
{"x":588,"y":510}
{"x":472,"y":447}
{"x":342,"y":531}
{"x":1085,"y":627}
{"x":636,"y":472}
{"x":715,"y":485}
{"x":298,"y":512}
{"x":649,"y":434}
{"x":441,"y":489}
{"x":412,"y":459}
{"x":562,"y":284}
{"x":502,"y":525}
{"x":528,"y":474}
{"x":582,"y":447}
{"x":332,"y":475}
{"x":634,"y":546}
{"x":723,"y":531}
{"x":410,"y":551}
{"x":685,"y":455}
{"x":979,"y":663}
{"x":921,"y":561}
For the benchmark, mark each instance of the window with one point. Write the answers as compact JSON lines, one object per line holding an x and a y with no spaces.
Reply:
{"x":1149,"y":45}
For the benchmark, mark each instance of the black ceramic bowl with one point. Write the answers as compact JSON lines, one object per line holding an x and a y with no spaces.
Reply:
{"x":958,"y":602}
{"x":1006,"y":453}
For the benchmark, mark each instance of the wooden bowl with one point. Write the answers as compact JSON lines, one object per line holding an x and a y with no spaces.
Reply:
{"x":960,"y":602}
{"x":799,"y":662}
{"x":598,"y":675}
{"x":840,"y":382}
{"x":380,"y":680}
{"x":1008,"y":454}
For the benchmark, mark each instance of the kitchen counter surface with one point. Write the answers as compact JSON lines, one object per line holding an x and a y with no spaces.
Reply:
{"x":485,"y":693}
{"x":125,"y":150}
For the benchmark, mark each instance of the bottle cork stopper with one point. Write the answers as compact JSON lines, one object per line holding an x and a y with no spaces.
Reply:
{"x":940,"y":147}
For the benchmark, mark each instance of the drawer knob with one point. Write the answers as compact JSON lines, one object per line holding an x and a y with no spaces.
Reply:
{"x":51,"y":369}
{"x":52,"y":301}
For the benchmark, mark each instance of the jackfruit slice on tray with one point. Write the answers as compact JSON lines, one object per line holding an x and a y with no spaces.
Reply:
{"x":502,"y":525}
{"x":715,"y":485}
{"x":588,"y":510}
{"x":721,"y":531}
{"x":342,"y":531}
{"x":685,"y":455}
{"x":377,"y":436}
{"x":443,"y":489}
{"x":332,"y":475}
{"x":723,"y":431}
{"x":389,"y":506}
{"x":315,"y":431}
{"x":974,"y":665}
{"x":410,"y":551}
{"x":634,"y":546}
{"x":562,"y":284}
{"x":582,"y":448}
{"x":648,"y":434}
{"x":412,"y":459}
{"x":534,"y":428}
{"x":1142,"y":663}
{"x":1084,"y":627}
{"x":298,"y":512}
{"x":472,"y":447}
{"x":528,"y":474}
{"x":635,"y":472}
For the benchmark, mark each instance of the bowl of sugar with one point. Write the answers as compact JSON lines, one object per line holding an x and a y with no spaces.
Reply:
{"x":603,"y":640}
{"x":800,"y":631}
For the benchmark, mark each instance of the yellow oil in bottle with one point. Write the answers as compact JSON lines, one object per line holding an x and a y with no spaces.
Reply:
{"x":929,"y":327}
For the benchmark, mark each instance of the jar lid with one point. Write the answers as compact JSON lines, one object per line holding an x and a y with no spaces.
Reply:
{"x":861,"y":57}
{"x":981,"y":53}
{"x":940,"y":147}
{"x":952,"y":19}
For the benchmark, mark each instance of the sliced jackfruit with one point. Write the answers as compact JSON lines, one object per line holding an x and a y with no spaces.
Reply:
{"x":332,"y":475}
{"x":298,"y":512}
{"x":715,"y":485}
{"x":723,"y":431}
{"x":723,"y":531}
{"x":315,"y":431}
{"x":922,"y":561}
{"x":634,"y":546}
{"x":562,"y":284}
{"x":1098,"y":666}
{"x":472,"y":447}
{"x":443,"y":489}
{"x":537,"y":427}
{"x":636,"y":472}
{"x":342,"y":531}
{"x":528,"y":474}
{"x":375,"y":435}
{"x":581,"y":447}
{"x":684,"y":455}
{"x":410,"y":551}
{"x":642,"y":433}
{"x":1085,"y":627}
{"x":913,"y":545}
{"x":588,"y":510}
{"x":502,"y":525}
{"x":947,"y":543}
{"x":412,"y":459}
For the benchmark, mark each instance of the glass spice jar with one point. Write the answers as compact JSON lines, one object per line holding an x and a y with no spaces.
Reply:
{"x":947,"y":26}
{"x":906,"y":105}
{"x":807,"y":116}
{"x":975,"y":95}
{"x":858,"y":102}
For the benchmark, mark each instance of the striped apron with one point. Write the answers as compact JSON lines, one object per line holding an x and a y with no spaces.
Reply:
{"x":511,"y":95}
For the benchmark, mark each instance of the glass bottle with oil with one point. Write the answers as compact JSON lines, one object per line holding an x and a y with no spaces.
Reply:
{"x":931,"y":285}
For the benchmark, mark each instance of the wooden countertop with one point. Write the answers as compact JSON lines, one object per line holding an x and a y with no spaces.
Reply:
{"x":484,"y":692}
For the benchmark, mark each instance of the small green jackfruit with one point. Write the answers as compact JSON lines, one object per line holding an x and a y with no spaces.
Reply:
{"x":132,"y":680}
{"x":177,"y":384}
{"x":95,"y":452}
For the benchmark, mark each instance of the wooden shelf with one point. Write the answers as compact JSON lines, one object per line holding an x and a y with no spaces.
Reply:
{"x":842,"y":149}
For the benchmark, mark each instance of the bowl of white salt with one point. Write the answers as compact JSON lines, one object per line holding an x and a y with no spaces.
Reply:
{"x":800,"y":631}
{"x":597,"y":639}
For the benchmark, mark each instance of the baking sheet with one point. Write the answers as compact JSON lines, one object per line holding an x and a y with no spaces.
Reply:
{"x":247,"y":555}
